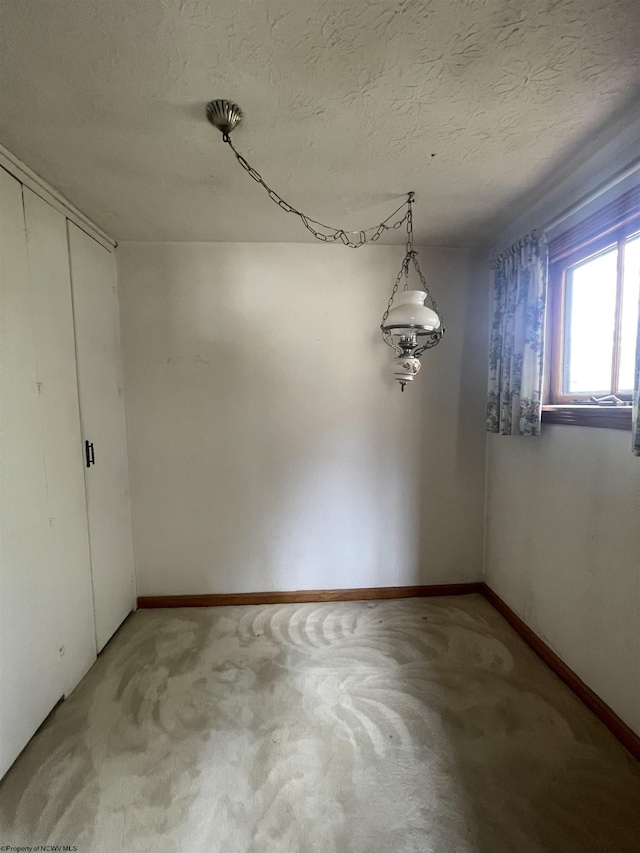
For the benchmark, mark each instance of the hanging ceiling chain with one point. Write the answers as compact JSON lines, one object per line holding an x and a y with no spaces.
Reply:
{"x":410,"y":224}
{"x":411,"y":258}
{"x":332,"y":235}
{"x":225,"y":116}
{"x":404,"y":270}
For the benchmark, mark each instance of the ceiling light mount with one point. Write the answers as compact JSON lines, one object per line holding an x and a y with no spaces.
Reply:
{"x":225,"y":115}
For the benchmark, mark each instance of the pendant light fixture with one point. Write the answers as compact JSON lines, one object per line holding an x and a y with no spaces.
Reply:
{"x":408,"y":326}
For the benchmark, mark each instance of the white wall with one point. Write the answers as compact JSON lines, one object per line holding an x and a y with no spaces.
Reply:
{"x":563,"y":550}
{"x":269,"y":447}
{"x":563,"y":510}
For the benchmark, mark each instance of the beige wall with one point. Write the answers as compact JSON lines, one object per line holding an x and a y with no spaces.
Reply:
{"x":563,"y":550}
{"x":269,"y":447}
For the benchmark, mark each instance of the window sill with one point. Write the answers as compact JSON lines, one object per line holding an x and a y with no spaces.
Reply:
{"x":605,"y":417}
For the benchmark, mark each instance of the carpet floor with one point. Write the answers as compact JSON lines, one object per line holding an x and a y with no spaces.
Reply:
{"x":413,"y":726}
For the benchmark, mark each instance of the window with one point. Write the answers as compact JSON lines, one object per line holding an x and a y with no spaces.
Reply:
{"x":594,"y":291}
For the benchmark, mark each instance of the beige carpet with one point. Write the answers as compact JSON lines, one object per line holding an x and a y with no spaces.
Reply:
{"x":355,"y":727}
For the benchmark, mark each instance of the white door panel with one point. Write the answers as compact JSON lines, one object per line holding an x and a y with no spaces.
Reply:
{"x":29,"y":658}
{"x":67,"y":530}
{"x":95,"y":305}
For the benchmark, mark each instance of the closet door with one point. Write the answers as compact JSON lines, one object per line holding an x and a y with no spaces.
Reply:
{"x":29,"y":660}
{"x":95,"y":305}
{"x":68,"y":559}
{"x":47,"y":634}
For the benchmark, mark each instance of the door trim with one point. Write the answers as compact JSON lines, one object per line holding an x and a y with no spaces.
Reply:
{"x":39,"y":186}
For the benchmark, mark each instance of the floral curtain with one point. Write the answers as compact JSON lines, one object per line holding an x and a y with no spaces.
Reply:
{"x":517,"y":338}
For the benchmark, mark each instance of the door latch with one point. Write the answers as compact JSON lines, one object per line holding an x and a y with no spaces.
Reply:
{"x":89,"y":454}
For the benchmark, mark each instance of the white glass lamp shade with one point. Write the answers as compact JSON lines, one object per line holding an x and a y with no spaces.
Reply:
{"x":409,"y":315}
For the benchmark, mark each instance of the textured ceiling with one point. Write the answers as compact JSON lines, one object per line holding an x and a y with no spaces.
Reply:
{"x":471,"y":103}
